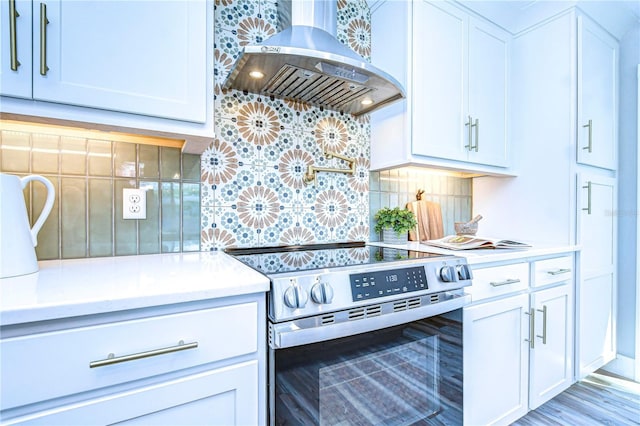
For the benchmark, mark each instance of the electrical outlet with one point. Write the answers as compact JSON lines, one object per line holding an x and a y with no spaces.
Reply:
{"x":134,"y":203}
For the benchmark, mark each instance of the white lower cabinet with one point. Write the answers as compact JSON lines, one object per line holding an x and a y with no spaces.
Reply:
{"x":518,"y":349}
{"x":225,"y":396}
{"x":195,"y":364}
{"x":495,"y":361}
{"x":551,"y":356}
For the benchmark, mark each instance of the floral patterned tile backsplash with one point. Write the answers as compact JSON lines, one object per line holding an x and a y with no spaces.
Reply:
{"x":253,"y":192}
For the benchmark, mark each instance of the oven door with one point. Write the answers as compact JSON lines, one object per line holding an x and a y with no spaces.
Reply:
{"x":399,"y":375}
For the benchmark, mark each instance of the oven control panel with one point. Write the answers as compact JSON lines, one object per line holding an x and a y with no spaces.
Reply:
{"x":299,"y":294}
{"x":370,"y":285}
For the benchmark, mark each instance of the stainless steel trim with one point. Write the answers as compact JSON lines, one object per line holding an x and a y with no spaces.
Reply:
{"x":590,"y":145}
{"x":308,"y":330}
{"x":43,"y":39}
{"x":505,"y":282}
{"x":559,"y":271}
{"x":111,"y":359}
{"x":544,"y":324}
{"x":13,"y":14}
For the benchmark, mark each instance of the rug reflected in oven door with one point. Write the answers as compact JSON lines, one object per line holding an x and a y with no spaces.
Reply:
{"x":393,"y":386}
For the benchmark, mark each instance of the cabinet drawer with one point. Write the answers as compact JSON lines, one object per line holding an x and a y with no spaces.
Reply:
{"x":553,"y":270}
{"x":59,"y":362}
{"x":224,"y":396}
{"x":499,"y":280}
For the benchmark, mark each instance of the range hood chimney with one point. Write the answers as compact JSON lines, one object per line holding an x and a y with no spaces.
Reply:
{"x":305,"y":62}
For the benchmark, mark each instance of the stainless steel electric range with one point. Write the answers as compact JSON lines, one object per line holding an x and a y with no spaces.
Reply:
{"x":360,"y":334}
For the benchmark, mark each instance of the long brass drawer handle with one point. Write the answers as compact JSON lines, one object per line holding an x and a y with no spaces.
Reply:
{"x":559,"y":271}
{"x":13,"y":14}
{"x":505,"y":282}
{"x":112,"y":359}
{"x":43,"y":39}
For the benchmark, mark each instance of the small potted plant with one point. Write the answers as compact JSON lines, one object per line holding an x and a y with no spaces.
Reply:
{"x":394,"y":224}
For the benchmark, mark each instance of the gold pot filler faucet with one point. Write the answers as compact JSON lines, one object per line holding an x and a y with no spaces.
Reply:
{"x":310,"y":176}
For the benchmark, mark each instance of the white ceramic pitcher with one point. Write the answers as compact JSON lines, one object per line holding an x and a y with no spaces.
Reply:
{"x":17,"y":239}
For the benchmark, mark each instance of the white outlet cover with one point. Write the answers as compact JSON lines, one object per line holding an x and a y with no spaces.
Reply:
{"x":134,"y":203}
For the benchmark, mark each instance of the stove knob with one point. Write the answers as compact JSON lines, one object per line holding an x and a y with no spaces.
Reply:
{"x":295,"y":297}
{"x":464,"y":272}
{"x":448,"y":274}
{"x":322,"y":293}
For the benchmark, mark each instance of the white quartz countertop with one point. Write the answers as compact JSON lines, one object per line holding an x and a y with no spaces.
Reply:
{"x":66,"y":288}
{"x":480,"y":256}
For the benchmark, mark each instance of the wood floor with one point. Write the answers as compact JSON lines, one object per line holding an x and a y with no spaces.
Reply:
{"x":600,"y":399}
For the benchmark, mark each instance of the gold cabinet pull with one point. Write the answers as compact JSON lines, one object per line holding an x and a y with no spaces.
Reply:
{"x":13,"y":14}
{"x":559,"y":271}
{"x":532,"y":327}
{"x":588,"y":188}
{"x":469,"y":125}
{"x":544,"y":324}
{"x":112,"y":359}
{"x":43,"y":39}
{"x":589,"y":145}
{"x":505,"y":282}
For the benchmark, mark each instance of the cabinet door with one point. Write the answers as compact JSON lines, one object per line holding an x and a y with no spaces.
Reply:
{"x":596,"y":292}
{"x":15,"y":48}
{"x":143,"y":57}
{"x":439,"y":80}
{"x":597,"y":204}
{"x":488,"y":80}
{"x":597,"y":96}
{"x":496,"y":359}
{"x":551,"y":366}
{"x":226,"y":396}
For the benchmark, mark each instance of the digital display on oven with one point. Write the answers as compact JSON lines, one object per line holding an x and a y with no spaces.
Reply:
{"x":370,"y":285}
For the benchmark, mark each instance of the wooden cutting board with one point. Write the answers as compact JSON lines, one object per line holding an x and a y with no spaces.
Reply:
{"x":429,"y":217}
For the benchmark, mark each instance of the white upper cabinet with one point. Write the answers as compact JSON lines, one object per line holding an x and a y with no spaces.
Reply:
{"x":440,"y":85}
{"x":137,"y":64}
{"x":15,"y":48}
{"x":140,"y":57}
{"x":455,"y":71}
{"x":597,"y":95}
{"x":488,"y":81}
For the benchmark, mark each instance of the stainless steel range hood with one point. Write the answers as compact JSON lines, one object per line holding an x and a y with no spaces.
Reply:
{"x":305,"y":62}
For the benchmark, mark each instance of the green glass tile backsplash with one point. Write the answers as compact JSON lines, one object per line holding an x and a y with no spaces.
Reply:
{"x":397,"y":187}
{"x":89,"y":175}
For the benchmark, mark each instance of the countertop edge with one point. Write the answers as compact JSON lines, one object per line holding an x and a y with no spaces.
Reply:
{"x":481,"y":256}
{"x":77,"y":287}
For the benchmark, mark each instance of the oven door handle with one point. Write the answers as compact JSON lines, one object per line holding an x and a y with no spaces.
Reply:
{"x":289,"y":334}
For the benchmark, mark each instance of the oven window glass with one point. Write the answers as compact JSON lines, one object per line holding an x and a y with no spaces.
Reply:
{"x":404,"y":375}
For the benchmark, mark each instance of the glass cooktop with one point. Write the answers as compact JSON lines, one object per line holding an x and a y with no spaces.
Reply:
{"x":273,"y":260}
